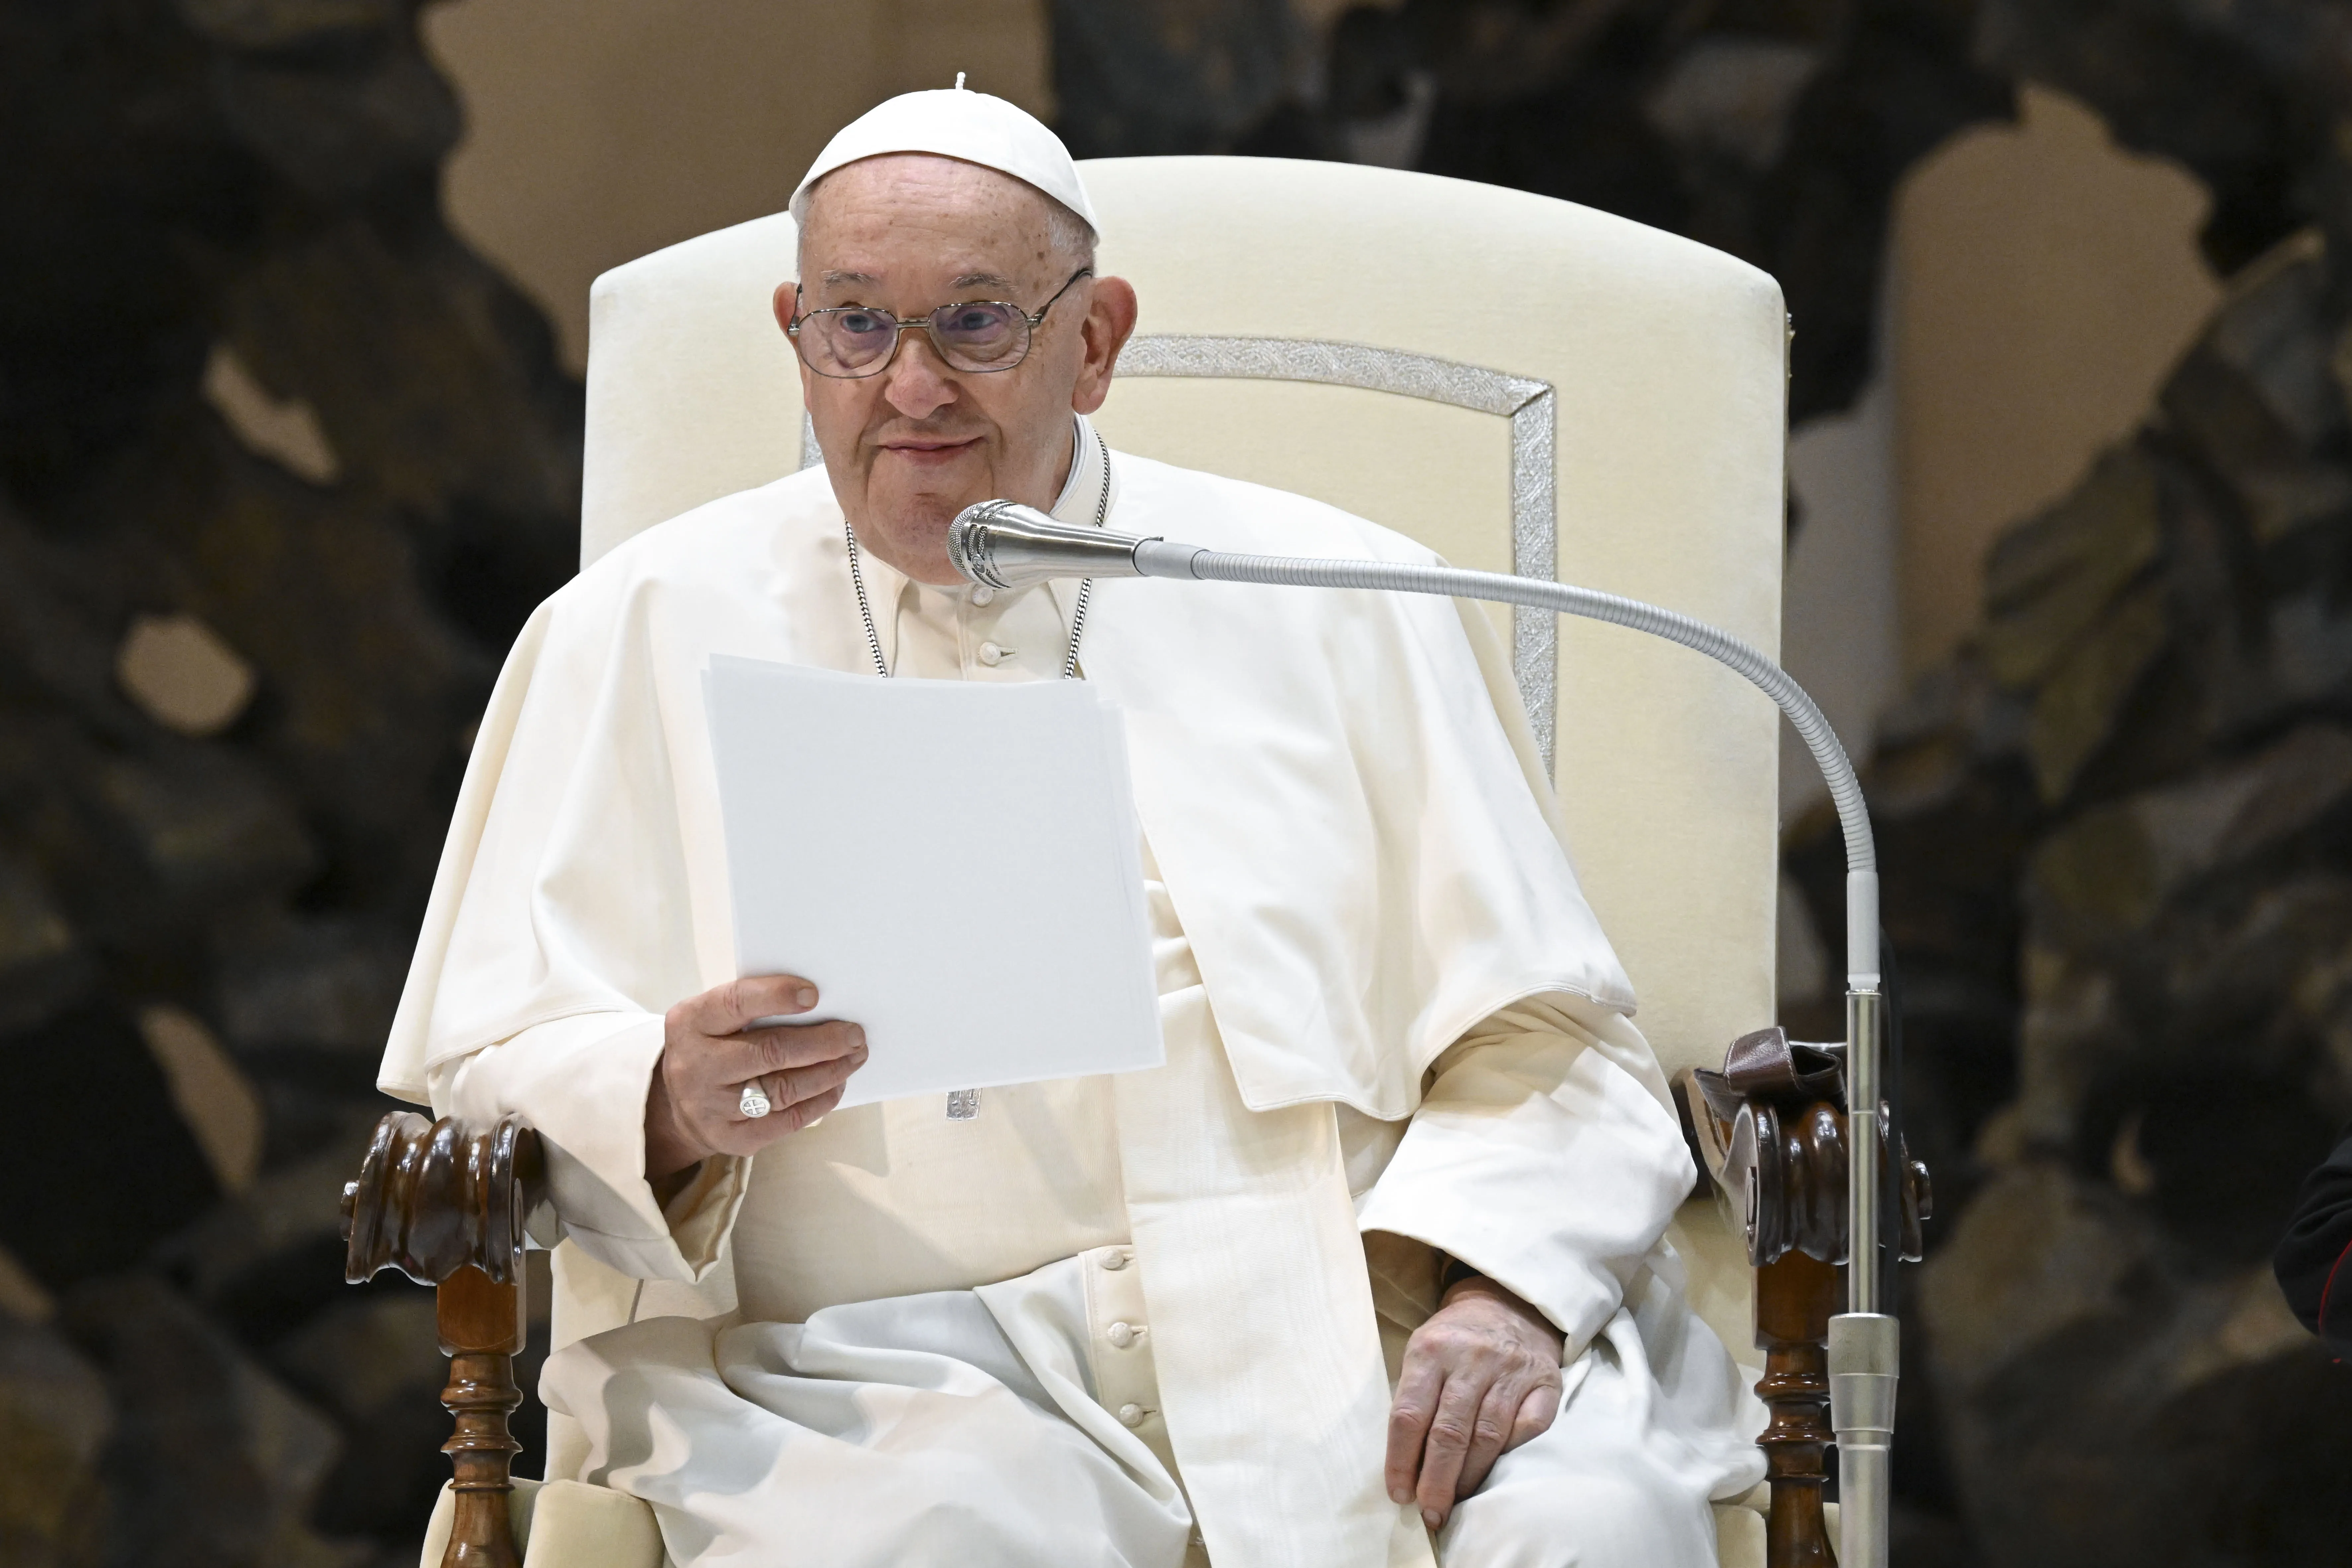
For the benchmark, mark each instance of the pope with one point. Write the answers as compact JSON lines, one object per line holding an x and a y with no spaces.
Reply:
{"x":1373,"y":1270}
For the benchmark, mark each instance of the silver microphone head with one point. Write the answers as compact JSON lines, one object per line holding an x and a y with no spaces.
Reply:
{"x":1004,"y":544}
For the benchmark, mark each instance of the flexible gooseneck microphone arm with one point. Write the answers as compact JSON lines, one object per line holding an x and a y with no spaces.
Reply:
{"x":1001,"y":544}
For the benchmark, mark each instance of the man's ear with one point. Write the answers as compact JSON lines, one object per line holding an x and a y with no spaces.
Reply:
{"x":1110,"y":321}
{"x":787,"y":301}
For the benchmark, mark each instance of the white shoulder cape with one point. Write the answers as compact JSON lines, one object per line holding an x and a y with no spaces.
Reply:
{"x":1359,"y":847}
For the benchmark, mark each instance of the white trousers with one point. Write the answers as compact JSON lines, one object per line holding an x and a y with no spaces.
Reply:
{"x":969,"y":1426}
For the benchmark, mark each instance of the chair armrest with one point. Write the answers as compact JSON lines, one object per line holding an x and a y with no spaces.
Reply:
{"x":445,"y":1203}
{"x":1768,"y":1132}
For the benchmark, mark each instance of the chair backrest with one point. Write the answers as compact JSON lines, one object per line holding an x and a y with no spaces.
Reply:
{"x":1522,"y":383}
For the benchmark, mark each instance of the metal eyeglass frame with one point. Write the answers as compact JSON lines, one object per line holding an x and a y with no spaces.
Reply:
{"x":929,"y":322}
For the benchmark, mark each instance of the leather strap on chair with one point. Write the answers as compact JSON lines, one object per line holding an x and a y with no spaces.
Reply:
{"x":1767,"y":1065}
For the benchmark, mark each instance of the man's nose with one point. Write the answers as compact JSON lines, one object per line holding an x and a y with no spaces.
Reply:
{"x":916,"y":384}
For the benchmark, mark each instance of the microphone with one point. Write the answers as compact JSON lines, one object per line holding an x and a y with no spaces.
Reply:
{"x":1002,"y":545}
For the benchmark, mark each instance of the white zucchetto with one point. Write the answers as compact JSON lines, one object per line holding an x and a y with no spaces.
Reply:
{"x":956,"y":122}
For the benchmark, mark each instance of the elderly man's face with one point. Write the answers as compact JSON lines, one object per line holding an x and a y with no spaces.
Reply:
{"x":910,"y":448}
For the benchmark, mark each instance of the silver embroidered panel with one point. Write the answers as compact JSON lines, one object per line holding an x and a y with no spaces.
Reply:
{"x":1527,"y":404}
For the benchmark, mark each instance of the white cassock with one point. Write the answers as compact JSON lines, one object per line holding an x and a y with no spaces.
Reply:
{"x":1150,"y":1318}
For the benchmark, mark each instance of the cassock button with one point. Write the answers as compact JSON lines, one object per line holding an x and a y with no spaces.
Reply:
{"x":1131,"y":1415}
{"x":1114,"y":1260}
{"x":1123,"y":1334}
{"x":992,"y":656}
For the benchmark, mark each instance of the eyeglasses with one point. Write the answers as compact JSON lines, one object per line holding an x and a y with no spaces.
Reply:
{"x":978,"y":336}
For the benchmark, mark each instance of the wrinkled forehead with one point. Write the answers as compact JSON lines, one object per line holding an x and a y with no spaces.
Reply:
{"x":910,"y":207}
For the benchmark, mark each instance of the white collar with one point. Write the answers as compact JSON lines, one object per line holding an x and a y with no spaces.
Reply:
{"x":1076,"y":501}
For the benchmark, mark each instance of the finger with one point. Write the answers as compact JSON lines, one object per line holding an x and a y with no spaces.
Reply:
{"x":793,"y":1087}
{"x":782,"y":1089}
{"x":725,"y":1009}
{"x":1490,"y":1432}
{"x":802,"y":1044}
{"x":725,"y":1064}
{"x":746,"y":1136}
{"x":805,"y":1114}
{"x":1418,"y":1384}
{"x":1449,"y":1446}
{"x":1536,"y":1413}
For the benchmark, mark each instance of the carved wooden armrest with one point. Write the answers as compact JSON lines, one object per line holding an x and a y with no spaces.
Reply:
{"x":445,"y":1203}
{"x":1769,"y":1128}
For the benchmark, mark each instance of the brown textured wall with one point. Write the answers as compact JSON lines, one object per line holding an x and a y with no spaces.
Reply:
{"x":599,"y":129}
{"x":2044,"y":281}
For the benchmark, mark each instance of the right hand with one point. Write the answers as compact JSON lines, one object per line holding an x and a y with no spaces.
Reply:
{"x":693,"y":1108}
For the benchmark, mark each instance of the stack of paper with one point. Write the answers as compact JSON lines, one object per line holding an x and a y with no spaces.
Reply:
{"x":955,"y":866}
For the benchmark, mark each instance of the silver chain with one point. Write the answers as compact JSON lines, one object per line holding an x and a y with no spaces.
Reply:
{"x":1077,"y":611}
{"x":865,"y":610}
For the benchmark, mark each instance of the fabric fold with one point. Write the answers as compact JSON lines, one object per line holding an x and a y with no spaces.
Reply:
{"x":912,"y":1430}
{"x":1345,"y":822}
{"x":1539,"y":1160}
{"x":1247,"y":1237}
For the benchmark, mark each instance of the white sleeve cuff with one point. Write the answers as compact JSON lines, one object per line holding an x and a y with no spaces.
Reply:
{"x":582,"y":1082}
{"x":1542,"y":1159}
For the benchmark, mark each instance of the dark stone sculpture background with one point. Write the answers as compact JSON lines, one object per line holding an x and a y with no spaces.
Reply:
{"x":2119,"y":830}
{"x":258,"y":178}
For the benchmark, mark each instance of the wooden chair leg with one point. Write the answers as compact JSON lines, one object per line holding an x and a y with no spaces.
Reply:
{"x":481,"y":1328}
{"x":1795,"y":1298}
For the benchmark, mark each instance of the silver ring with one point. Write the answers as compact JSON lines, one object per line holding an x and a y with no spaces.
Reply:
{"x":754,"y":1102}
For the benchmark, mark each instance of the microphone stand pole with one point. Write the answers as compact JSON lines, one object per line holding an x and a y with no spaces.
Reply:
{"x":1004,"y":545}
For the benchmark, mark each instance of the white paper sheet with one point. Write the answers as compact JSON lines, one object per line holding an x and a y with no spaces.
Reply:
{"x":956,"y":865}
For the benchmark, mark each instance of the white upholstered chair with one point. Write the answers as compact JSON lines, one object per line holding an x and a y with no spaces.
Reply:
{"x":1524,"y":384}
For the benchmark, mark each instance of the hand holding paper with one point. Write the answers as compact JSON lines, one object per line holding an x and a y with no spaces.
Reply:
{"x":955,"y":867}
{"x":711,"y":1048}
